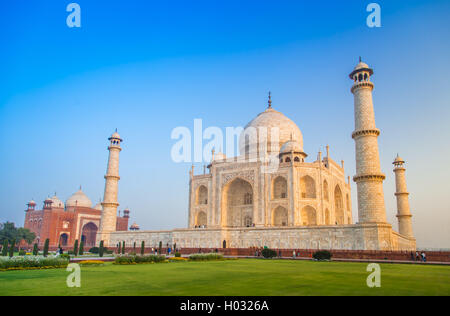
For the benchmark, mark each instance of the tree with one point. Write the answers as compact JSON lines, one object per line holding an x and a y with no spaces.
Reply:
{"x":80,"y":252}
{"x":47,"y":242}
{"x":123,"y":248}
{"x":134,"y":247}
{"x":75,"y":248}
{"x":120,"y":248}
{"x":142,"y":247}
{"x":5,"y":248}
{"x":25,"y":234}
{"x":35,"y":250}
{"x":8,"y":231}
{"x":11,"y":249}
{"x":160,"y":247}
{"x":101,"y":249}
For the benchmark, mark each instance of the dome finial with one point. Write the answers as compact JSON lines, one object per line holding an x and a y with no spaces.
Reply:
{"x":270,"y":100}
{"x":360,"y":60}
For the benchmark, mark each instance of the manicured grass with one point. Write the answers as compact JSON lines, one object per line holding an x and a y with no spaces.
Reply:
{"x":232,"y":277}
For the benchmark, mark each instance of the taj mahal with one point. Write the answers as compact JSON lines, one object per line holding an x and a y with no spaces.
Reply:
{"x":301,"y":203}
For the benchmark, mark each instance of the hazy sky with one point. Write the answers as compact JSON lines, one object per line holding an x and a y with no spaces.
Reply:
{"x":146,"y":67}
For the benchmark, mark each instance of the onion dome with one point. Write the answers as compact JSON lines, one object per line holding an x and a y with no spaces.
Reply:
{"x":98,"y":206}
{"x":268,"y":122}
{"x":134,"y":227}
{"x":57,"y":202}
{"x":291,"y":146}
{"x":79,"y":199}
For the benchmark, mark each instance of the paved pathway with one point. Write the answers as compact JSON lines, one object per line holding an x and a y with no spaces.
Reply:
{"x":301,"y":258}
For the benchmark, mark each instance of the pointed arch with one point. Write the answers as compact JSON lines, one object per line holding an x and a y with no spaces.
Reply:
{"x":279,"y":188}
{"x":237,"y":203}
{"x":326,"y":195}
{"x":309,"y":216}
{"x":327,"y":217}
{"x":201,"y":195}
{"x":308,"y":187}
{"x":201,"y":219}
{"x":338,"y":205}
{"x":280,"y":216}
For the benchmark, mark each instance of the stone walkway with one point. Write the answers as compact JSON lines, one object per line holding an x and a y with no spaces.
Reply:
{"x":108,"y":259}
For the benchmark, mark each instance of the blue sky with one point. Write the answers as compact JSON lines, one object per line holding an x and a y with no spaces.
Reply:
{"x":146,"y":67}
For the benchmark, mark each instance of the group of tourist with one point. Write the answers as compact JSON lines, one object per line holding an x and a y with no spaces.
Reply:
{"x":419,"y":256}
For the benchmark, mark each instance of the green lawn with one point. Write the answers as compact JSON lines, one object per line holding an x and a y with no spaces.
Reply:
{"x":232,"y":277}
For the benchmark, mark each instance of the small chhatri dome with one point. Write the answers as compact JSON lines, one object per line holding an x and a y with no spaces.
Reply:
{"x":115,"y":135}
{"x":134,"y":227}
{"x":398,"y":160}
{"x":220,"y":156}
{"x":98,"y":206}
{"x":291,"y":146}
{"x":32,"y":202}
{"x":57,"y":202}
{"x":78,"y":199}
{"x":361,"y":67}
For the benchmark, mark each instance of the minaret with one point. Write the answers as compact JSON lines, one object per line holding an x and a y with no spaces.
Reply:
{"x":403,"y":212}
{"x":109,"y":204}
{"x":369,"y":178}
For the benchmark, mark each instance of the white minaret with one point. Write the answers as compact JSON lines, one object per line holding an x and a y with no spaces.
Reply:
{"x":403,"y":212}
{"x":109,"y":204}
{"x":369,"y":178}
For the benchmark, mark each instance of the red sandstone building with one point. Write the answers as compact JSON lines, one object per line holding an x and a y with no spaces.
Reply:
{"x":63,"y":223}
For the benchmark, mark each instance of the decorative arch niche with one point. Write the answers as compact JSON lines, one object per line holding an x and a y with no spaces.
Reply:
{"x":237,"y":203}
{"x":309,"y":216}
{"x":201,"y":196}
{"x":280,"y":216}
{"x":307,"y":187}
{"x":339,"y":205}
{"x":201,"y":219}
{"x":279,"y":188}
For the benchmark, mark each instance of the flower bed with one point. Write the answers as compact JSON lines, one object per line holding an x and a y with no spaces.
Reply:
{"x":91,"y":263}
{"x":32,"y":262}
{"x":178,"y":259}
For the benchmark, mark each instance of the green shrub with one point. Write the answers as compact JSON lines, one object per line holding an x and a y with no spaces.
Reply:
{"x":120,"y":248}
{"x":322,"y":255}
{"x":123,"y":247}
{"x":5,"y":248}
{"x":35,"y":250}
{"x":22,"y":252}
{"x":94,"y":250}
{"x":206,"y":257}
{"x":75,"y":248}
{"x":11,"y":248}
{"x":160,"y":247}
{"x":65,"y":256}
{"x":101,"y":249}
{"x":177,"y":254}
{"x":47,"y":242}
{"x":81,"y":251}
{"x":142,"y":248}
{"x":139,"y":259}
{"x":268,"y":253}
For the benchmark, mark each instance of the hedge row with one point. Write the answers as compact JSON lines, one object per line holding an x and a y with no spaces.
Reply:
{"x":139,"y":259}
{"x":206,"y":257}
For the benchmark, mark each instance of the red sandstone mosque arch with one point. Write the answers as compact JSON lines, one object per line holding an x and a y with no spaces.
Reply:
{"x":89,"y":234}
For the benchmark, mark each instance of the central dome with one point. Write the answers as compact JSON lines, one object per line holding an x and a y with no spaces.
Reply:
{"x":270,"y":123}
{"x":79,"y":199}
